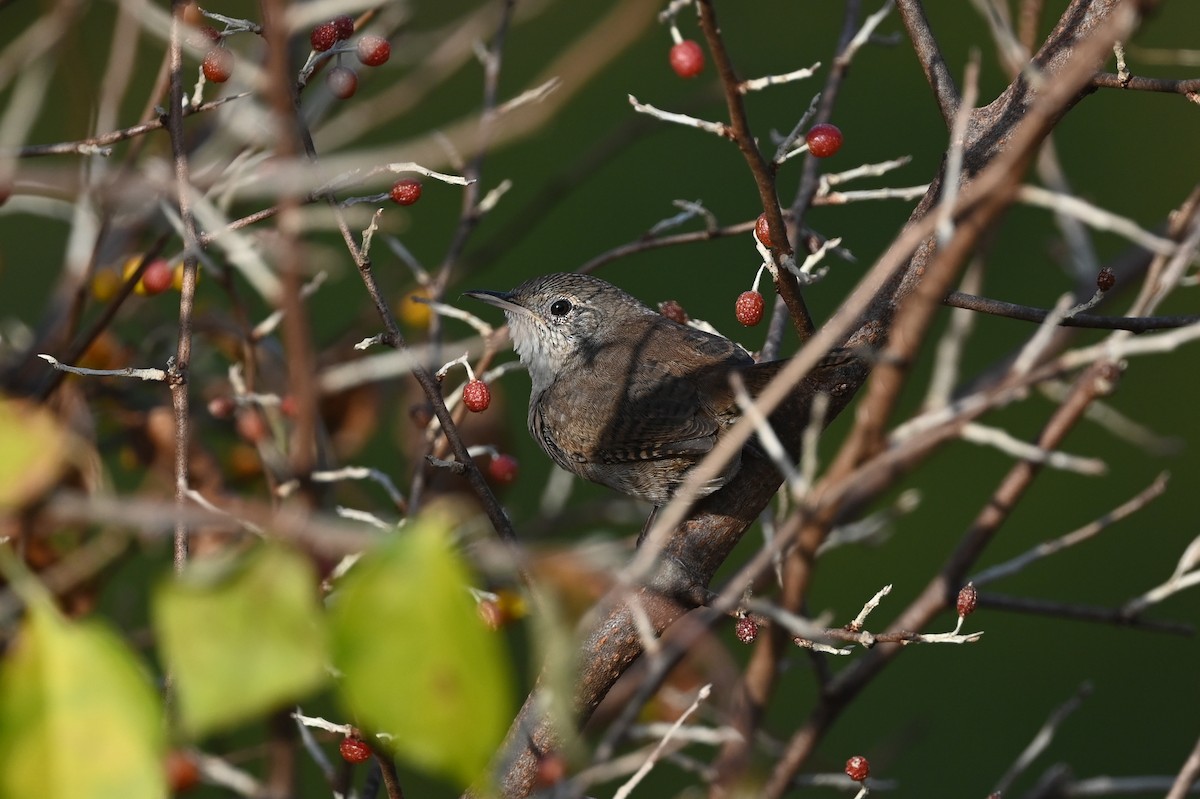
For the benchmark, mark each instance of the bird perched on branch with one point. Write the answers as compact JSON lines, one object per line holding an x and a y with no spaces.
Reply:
{"x":624,"y":396}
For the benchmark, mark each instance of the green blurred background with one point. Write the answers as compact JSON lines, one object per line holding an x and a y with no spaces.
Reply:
{"x":592,"y":177}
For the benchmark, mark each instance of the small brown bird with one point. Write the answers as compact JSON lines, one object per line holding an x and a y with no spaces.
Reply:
{"x":622,"y":395}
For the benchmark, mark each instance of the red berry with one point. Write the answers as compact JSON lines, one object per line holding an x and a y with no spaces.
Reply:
{"x":158,"y":277}
{"x":203,"y":36}
{"x":182,"y":772}
{"x":551,"y":770}
{"x":221,"y":407}
{"x":192,"y":15}
{"x":250,"y":425}
{"x":762,"y":230}
{"x":687,"y":59}
{"x":967,"y":597}
{"x":857,"y":768}
{"x":354,"y":750}
{"x":406,"y":191}
{"x":673,"y":311}
{"x":323,"y":37}
{"x":374,"y":50}
{"x":749,"y":308}
{"x":289,"y":407}
{"x":344,"y":26}
{"x":477,"y":396}
{"x":824,"y":140}
{"x":217,"y":65}
{"x":746,"y":629}
{"x":1105,"y":279}
{"x":342,"y":82}
{"x":503,"y":469}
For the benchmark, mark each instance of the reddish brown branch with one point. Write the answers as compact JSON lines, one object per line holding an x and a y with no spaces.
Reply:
{"x":764,"y":178}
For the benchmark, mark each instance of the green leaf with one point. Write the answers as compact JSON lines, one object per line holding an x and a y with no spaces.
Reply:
{"x":33,"y":449}
{"x":417,"y":661}
{"x":79,"y":717}
{"x":241,"y":639}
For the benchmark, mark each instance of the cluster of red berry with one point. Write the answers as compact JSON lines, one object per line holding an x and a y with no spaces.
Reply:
{"x":823,"y":140}
{"x":477,"y":396}
{"x":371,"y":50}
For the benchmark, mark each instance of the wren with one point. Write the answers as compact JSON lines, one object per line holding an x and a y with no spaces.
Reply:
{"x":622,"y":395}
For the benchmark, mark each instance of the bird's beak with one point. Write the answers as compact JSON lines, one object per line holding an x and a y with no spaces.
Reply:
{"x":500,"y":299}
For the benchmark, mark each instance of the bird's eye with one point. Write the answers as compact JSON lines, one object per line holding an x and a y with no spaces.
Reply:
{"x":560,"y":307}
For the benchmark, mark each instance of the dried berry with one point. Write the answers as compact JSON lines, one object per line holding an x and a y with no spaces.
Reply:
{"x":762,"y":230}
{"x":477,"y":396}
{"x":857,"y":768}
{"x":355,"y":750}
{"x":323,"y":37}
{"x":406,"y":191}
{"x":673,"y":311}
{"x":749,"y":308}
{"x":1105,"y":279}
{"x":344,"y":26}
{"x":746,"y":629}
{"x":967,"y":597}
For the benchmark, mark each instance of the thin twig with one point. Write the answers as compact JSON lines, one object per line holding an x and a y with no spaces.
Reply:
{"x":1042,"y":739}
{"x":1090,"y":530}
